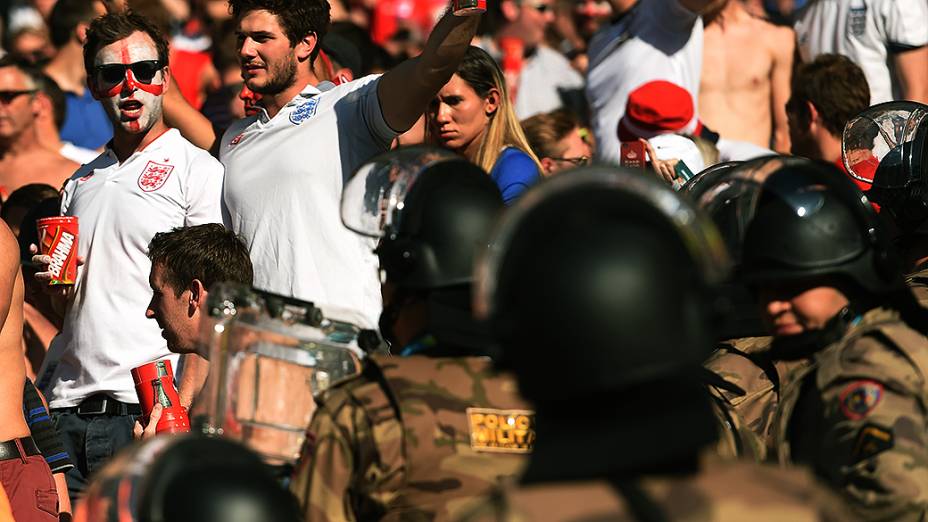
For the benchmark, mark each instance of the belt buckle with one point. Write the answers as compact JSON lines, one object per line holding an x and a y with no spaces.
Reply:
{"x":102,"y":409}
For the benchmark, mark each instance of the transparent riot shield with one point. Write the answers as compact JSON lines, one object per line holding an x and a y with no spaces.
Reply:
{"x":269,"y":356}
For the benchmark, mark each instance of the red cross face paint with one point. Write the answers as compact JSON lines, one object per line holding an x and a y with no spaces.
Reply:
{"x":129,"y":81}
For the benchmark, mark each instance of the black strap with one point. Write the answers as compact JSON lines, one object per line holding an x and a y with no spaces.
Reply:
{"x":642,"y":506}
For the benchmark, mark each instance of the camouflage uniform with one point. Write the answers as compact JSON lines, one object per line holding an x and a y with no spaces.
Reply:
{"x":746,"y":364}
{"x":412,"y":438}
{"x":857,"y":416}
{"x":720,"y":492}
{"x":736,"y":441}
{"x":918,"y":282}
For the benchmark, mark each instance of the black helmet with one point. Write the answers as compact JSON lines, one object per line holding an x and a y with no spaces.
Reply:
{"x":887,"y":147}
{"x":186,"y":478}
{"x":431,"y":209}
{"x":810,"y":220}
{"x":585,"y":274}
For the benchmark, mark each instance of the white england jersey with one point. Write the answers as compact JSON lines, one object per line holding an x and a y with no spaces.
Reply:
{"x":170,"y":183}
{"x":866,"y":31}
{"x":284,"y":179}
{"x":544,"y":79}
{"x":656,"y":40}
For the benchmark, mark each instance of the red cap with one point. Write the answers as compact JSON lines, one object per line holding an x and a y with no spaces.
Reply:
{"x":657,"y":107}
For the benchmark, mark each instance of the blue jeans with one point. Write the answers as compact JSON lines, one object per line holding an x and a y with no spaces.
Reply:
{"x":91,"y":440}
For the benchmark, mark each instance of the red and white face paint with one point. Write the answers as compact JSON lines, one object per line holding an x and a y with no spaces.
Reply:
{"x":131,"y":105}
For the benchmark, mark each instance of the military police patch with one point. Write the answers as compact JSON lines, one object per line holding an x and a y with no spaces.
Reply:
{"x":872,"y":439}
{"x":501,"y":431}
{"x":859,"y":398}
{"x":304,"y":111}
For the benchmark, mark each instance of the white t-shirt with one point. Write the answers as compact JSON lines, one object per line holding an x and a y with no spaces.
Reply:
{"x":77,"y":154}
{"x":656,"y":40}
{"x":170,"y":183}
{"x":864,"y":31}
{"x":284,"y":179}
{"x":542,"y":80}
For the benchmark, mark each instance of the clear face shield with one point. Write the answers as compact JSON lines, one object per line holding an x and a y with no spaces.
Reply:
{"x":877,"y":135}
{"x":373,"y":199}
{"x":269,"y":356}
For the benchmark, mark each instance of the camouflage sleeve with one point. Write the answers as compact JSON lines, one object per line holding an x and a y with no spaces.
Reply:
{"x":325,"y":478}
{"x":875,"y":449}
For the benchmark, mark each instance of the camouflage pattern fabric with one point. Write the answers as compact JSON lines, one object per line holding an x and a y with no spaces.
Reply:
{"x":918,"y":282}
{"x":720,"y":492}
{"x":412,"y":438}
{"x":746,"y":364}
{"x":736,"y":441}
{"x":857,"y":417}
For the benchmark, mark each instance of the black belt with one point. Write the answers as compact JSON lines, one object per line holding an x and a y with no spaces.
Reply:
{"x":102,"y":405}
{"x":9,"y":450}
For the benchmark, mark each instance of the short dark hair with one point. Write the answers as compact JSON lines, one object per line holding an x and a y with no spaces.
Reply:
{"x":835,"y":86}
{"x":65,"y":17}
{"x":113,"y":27}
{"x":210,"y":253}
{"x":298,"y":17}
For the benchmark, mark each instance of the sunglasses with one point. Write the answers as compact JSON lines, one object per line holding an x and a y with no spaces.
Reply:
{"x":7,"y":97}
{"x":580,"y":162}
{"x":113,"y":74}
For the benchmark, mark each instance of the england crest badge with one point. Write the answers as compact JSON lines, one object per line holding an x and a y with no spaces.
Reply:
{"x":304,"y":111}
{"x":154,"y":175}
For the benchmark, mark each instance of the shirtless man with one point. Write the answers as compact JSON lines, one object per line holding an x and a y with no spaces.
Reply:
{"x":25,"y":475}
{"x":745,"y":77}
{"x":23,"y":158}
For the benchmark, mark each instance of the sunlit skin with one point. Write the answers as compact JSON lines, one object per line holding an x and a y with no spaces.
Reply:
{"x":175,"y":314}
{"x":132,"y":106}
{"x":459,"y":118}
{"x":18,"y":112}
{"x":792,"y":309}
{"x":533,"y":22}
{"x":572,"y":146}
{"x":272,"y":65}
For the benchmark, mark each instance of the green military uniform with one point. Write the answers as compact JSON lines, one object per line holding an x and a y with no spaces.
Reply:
{"x":720,"y":492}
{"x":413,"y":438}
{"x":857,"y":416}
{"x":746,"y":364}
{"x":918,"y":282}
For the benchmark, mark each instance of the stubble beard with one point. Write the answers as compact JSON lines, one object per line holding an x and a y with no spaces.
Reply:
{"x":280,"y":77}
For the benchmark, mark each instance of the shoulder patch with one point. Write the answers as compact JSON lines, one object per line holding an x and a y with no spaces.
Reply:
{"x":304,"y":111}
{"x":859,"y":398}
{"x":871,"y":440}
{"x":501,"y":431}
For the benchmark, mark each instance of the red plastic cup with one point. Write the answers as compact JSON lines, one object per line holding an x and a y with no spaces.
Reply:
{"x":154,"y":384}
{"x":58,"y":239}
{"x":469,"y":7}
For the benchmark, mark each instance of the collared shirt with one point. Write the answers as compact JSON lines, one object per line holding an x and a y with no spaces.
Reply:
{"x":546,"y":80}
{"x":865,"y":31}
{"x":657,"y":40}
{"x":284,"y":179}
{"x":170,"y":183}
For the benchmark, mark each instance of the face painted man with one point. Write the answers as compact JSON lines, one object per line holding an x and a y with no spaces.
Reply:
{"x":149,"y":179}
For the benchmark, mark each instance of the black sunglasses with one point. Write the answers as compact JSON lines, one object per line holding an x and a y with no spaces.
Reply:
{"x":8,"y":96}
{"x":114,"y":73}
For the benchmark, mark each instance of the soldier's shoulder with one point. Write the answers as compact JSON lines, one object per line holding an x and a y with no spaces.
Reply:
{"x":885,"y":350}
{"x":551,"y":502}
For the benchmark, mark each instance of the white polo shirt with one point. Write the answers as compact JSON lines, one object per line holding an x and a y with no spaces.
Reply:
{"x":171,"y":183}
{"x":284,"y":179}
{"x":544,"y":79}
{"x":656,"y":40}
{"x":865,"y":31}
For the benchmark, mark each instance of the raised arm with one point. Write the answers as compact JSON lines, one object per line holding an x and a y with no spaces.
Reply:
{"x":406,"y":90}
{"x":190,"y":122}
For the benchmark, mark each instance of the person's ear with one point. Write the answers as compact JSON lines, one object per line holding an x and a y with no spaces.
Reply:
{"x":80,"y":32}
{"x":197,"y":295}
{"x":815,"y":118}
{"x":548,"y":165}
{"x":509,"y":9}
{"x":491,"y":102}
{"x":304,"y":48}
{"x":41,"y":104}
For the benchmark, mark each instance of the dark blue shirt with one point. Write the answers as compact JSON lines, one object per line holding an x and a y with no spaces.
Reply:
{"x":514,"y":172}
{"x":85,"y":122}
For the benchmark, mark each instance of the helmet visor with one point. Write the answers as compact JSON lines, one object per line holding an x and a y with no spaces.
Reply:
{"x":373,"y":199}
{"x":877,"y":133}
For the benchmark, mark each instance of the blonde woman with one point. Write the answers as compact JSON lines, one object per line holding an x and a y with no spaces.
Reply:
{"x":473,"y":116}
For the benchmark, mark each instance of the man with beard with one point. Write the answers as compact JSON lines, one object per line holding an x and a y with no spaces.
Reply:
{"x":286,"y":165}
{"x":148,"y":180}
